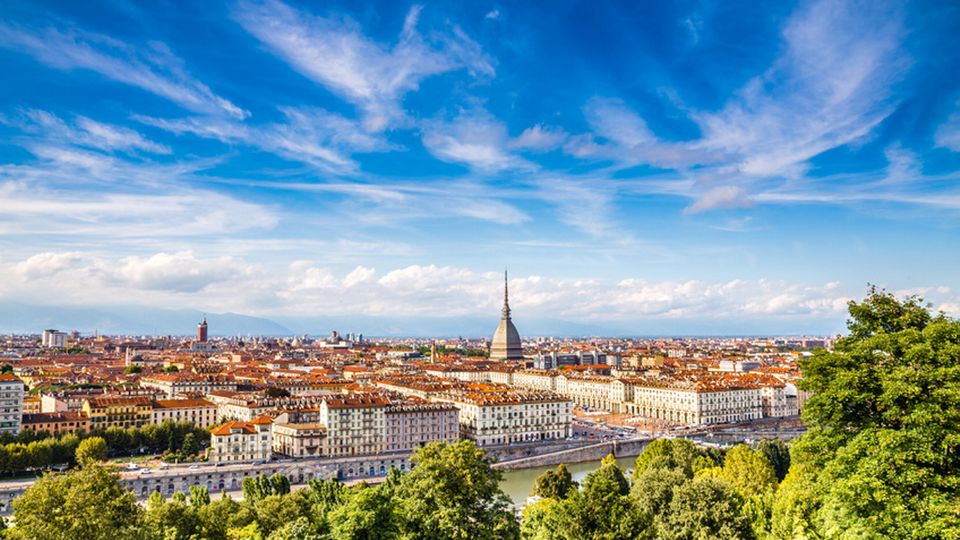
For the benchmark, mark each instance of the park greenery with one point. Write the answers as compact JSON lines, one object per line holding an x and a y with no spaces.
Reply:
{"x":29,"y":451}
{"x":880,"y":460}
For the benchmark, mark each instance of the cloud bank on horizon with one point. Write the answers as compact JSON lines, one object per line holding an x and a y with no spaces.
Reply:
{"x":697,"y":160}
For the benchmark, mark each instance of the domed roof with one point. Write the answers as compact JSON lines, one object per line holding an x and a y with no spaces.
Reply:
{"x":506,"y":343}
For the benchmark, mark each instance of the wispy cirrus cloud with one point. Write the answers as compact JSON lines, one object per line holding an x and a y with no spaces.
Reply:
{"x":948,"y":133}
{"x":32,"y":210}
{"x":153,"y":68}
{"x":309,"y":135}
{"x":475,"y":138}
{"x":831,"y":86}
{"x":335,"y":52}
{"x":49,"y":129}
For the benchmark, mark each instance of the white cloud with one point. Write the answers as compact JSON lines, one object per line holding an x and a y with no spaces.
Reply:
{"x":720,"y":197}
{"x":474,"y":137}
{"x":540,"y":138}
{"x":335,"y":53}
{"x":358,"y":276}
{"x":48,"y":264}
{"x":178,"y":212}
{"x":179,"y":272}
{"x":619,"y":134}
{"x":948,"y":134}
{"x":310,"y":135}
{"x":492,"y":15}
{"x":84,"y":132}
{"x":306,"y":288}
{"x":154,"y":68}
{"x":832,"y":85}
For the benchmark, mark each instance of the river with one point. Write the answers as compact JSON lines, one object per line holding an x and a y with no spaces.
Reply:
{"x":518,"y":484}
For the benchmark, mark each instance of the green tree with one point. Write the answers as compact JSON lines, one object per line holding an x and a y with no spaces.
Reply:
{"x":884,"y":423}
{"x":556,"y":483}
{"x":274,"y":511}
{"x":705,"y":508}
{"x":218,"y":517}
{"x":602,"y":509}
{"x":796,"y":505}
{"x":653,"y":489}
{"x":778,"y":454}
{"x":321,"y":497}
{"x":88,"y":503}
{"x":132,"y":369}
{"x":298,"y":529}
{"x":91,"y":450}
{"x":199,"y":497}
{"x":454,"y":492}
{"x":189,"y":447}
{"x":170,"y":520}
{"x":748,"y":471}
{"x":366,"y":514}
{"x":668,"y":453}
{"x":545,"y":519}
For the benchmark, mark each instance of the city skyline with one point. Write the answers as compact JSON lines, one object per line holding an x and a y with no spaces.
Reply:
{"x":701,"y":167}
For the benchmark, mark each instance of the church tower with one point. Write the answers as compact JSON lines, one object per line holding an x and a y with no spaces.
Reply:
{"x":202,"y":331}
{"x":506,"y":340}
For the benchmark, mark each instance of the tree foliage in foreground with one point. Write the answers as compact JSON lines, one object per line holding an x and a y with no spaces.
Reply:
{"x":881,"y":457}
{"x":88,"y":503}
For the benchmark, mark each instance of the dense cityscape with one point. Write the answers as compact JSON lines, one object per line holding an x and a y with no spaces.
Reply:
{"x":475,"y":270}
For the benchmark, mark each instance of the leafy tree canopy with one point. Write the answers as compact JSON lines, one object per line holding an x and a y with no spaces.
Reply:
{"x":884,"y":419}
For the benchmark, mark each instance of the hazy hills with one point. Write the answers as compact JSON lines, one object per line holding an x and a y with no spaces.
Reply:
{"x":136,"y":320}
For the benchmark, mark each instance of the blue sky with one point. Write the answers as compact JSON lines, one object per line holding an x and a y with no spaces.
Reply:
{"x":628,"y":161}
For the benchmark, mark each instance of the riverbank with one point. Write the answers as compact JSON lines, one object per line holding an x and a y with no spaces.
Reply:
{"x":593,"y":452}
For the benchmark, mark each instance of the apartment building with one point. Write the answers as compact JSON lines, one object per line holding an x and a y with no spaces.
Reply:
{"x":11,"y":404}
{"x":356,"y":423}
{"x":536,"y":379}
{"x":56,"y":423}
{"x":236,"y":442}
{"x":300,"y":440}
{"x":413,"y":423}
{"x":118,"y":411}
{"x":495,"y":416}
{"x":178,"y":384}
{"x":696,"y":398}
{"x":199,"y":412}
{"x":586,"y":391}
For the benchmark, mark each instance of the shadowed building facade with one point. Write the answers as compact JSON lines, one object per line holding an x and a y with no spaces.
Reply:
{"x":506,"y":340}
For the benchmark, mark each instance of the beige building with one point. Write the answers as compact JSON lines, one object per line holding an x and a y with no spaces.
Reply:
{"x":502,"y":416}
{"x":355,"y":423}
{"x":536,"y":379}
{"x":592,"y":392}
{"x":300,"y":440}
{"x":176,"y":384}
{"x":414,"y":423}
{"x":199,"y":412}
{"x":242,"y":441}
{"x":698,"y":398}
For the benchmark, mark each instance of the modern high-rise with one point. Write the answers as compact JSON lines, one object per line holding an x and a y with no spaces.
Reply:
{"x":54,"y":339}
{"x":506,"y":340}
{"x":11,"y":404}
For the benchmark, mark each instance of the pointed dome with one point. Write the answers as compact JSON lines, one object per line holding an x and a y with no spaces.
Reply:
{"x":506,"y":343}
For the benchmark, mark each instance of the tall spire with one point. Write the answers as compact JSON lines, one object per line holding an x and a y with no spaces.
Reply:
{"x":506,"y":300}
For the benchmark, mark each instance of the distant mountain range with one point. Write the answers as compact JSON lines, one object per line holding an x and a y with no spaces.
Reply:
{"x":135,"y":320}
